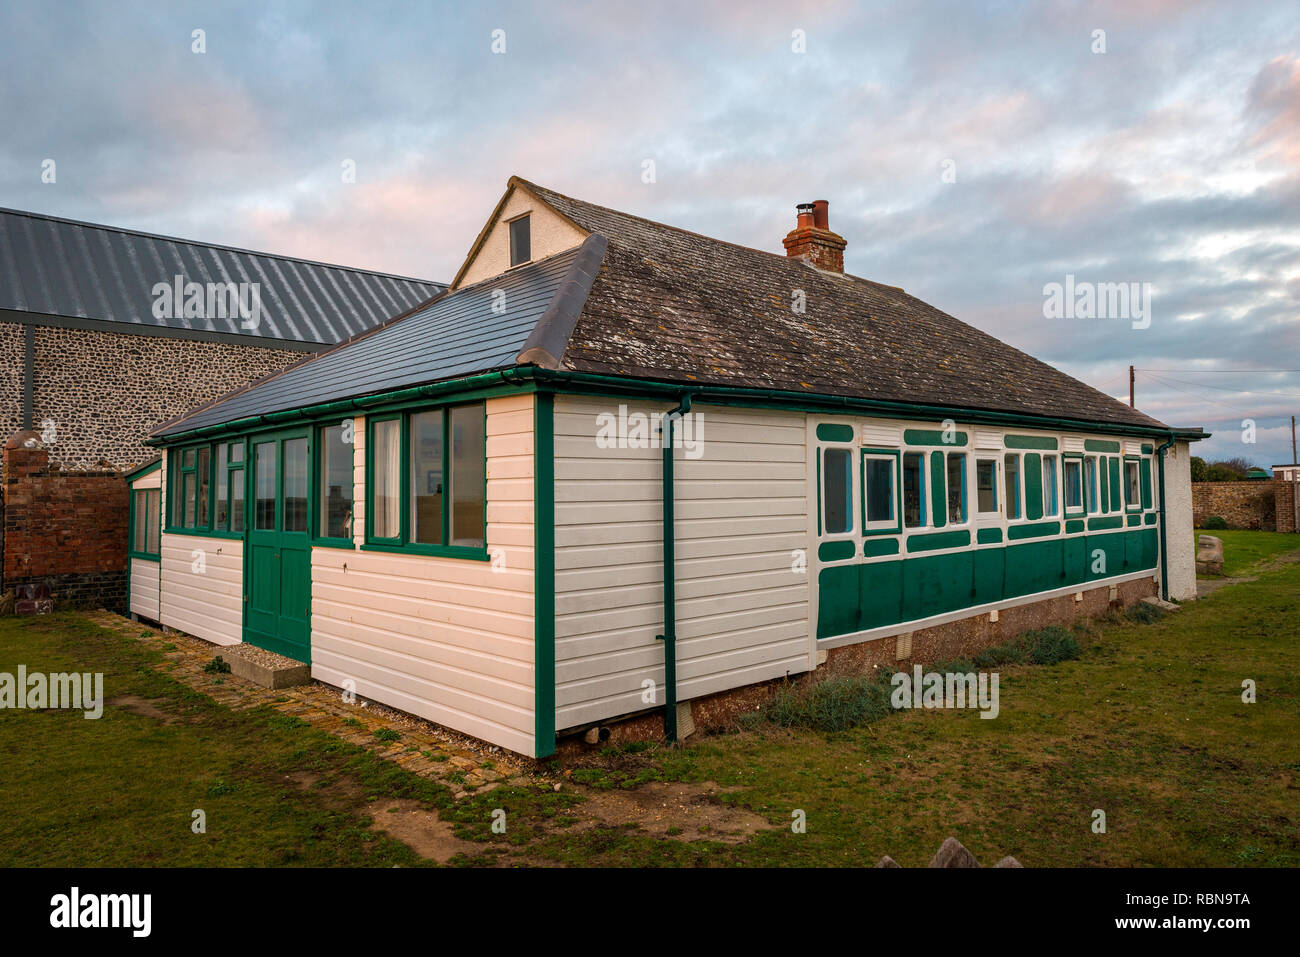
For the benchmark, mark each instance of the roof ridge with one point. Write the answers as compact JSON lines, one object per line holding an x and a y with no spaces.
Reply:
{"x":30,"y":214}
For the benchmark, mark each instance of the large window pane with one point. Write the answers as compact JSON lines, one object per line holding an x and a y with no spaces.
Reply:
{"x":336,"y":484}
{"x":237,"y":492}
{"x":956,"y":488}
{"x":223,"y":488}
{"x":878,"y":473}
{"x":187,"y":497}
{"x":986,"y":485}
{"x":264,"y":494}
{"x":837,"y":490}
{"x":1073,"y":484}
{"x":1133,"y":484}
{"x":1049,"y":485}
{"x":140,"y":532}
{"x":153,"y":501}
{"x":205,"y":478}
{"x":295,"y":485}
{"x":1011,"y":469}
{"x":1090,"y":474}
{"x":427,"y":478}
{"x":386,"y":459}
{"x":468,"y":474}
{"x":913,"y":489}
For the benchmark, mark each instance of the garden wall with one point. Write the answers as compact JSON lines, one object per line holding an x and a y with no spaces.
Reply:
{"x":1267,"y":506}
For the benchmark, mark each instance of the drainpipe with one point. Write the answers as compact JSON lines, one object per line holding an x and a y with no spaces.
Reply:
{"x":669,"y":637}
{"x":1164,"y":552}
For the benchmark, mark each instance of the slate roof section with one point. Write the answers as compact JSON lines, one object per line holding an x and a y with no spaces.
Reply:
{"x":64,"y":269}
{"x":675,"y":306}
{"x":456,"y":335}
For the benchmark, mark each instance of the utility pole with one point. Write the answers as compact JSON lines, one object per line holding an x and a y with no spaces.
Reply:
{"x":1294,"y":460}
{"x":1130,"y":390}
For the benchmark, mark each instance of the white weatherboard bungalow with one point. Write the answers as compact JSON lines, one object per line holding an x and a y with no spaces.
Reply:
{"x":468,"y":511}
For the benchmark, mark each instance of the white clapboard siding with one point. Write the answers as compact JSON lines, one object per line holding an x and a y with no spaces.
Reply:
{"x":208,"y":604}
{"x":448,"y":639}
{"x":741,"y":514}
{"x":144,"y":588}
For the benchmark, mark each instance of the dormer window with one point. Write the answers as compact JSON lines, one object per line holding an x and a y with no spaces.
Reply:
{"x":520,"y":241}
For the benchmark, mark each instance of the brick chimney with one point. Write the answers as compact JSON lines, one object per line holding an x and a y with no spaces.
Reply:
{"x":812,"y":240}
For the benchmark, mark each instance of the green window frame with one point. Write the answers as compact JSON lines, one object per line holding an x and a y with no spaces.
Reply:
{"x":325,"y":507}
{"x":197,"y":476}
{"x":1073,"y":463}
{"x":454,"y":471}
{"x":145,"y":536}
{"x":892,"y":525}
{"x":913,"y":465}
{"x":1014,"y":497}
{"x":1132,"y":503}
{"x":958,"y":507}
{"x":835,"y":490}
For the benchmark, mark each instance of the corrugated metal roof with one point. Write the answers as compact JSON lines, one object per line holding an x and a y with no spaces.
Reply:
{"x":83,"y":271}
{"x":457,"y":335}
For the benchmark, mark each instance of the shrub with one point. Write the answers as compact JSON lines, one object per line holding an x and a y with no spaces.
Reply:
{"x":1047,"y":646}
{"x":1144,"y":614}
{"x":834,"y":704}
{"x":217,"y":666}
{"x":1215,"y":522}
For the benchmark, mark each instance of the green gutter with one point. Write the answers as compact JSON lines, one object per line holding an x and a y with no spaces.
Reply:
{"x":669,"y":637}
{"x":1164,"y":542}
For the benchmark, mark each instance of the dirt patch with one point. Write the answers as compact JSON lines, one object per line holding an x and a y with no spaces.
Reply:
{"x":142,"y":707}
{"x":688,"y":812}
{"x":339,"y":793}
{"x":420,"y":829}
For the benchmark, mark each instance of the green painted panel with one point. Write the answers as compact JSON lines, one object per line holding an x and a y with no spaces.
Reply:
{"x":936,"y":540}
{"x":1033,"y":486}
{"x":880,"y":546}
{"x":1106,"y":556}
{"x":1032,"y":567}
{"x":932,"y":437}
{"x":938,"y":500}
{"x":988,"y":536}
{"x":838,"y":600}
{"x":1074,"y":525}
{"x":835,"y":433}
{"x":1148,"y":449}
{"x":1100,"y":445}
{"x":1114,"y":521}
{"x":881,"y":587}
{"x":1146,"y":483}
{"x":1150,"y":548}
{"x":1149,"y":519}
{"x":1116,"y":490}
{"x":989,"y":569}
{"x":836,"y":551}
{"x":1034,"y":531}
{"x":1074,"y":561}
{"x":936,"y":584}
{"x":1029,"y":442}
{"x":1135,"y":520}
{"x":1103,"y":478}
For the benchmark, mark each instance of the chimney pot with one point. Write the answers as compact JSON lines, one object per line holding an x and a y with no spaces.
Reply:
{"x":807,"y":216}
{"x":821,"y":214}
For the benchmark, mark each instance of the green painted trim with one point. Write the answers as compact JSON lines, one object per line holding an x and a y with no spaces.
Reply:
{"x":935,"y":540}
{"x":938,"y":492}
{"x":141,"y":471}
{"x":1030,"y":442}
{"x":932,"y":437}
{"x":819,"y":493}
{"x":1100,"y":445}
{"x":433,"y":551}
{"x":833,"y":432}
{"x":205,"y":533}
{"x":988,"y":536}
{"x":1115,"y":521}
{"x":836,"y":551}
{"x":1149,"y":519}
{"x":131,"y":550}
{"x":544,"y":574}
{"x":346,"y":544}
{"x":1147,"y":448}
{"x":1134,"y":520}
{"x":1075,"y":525}
{"x":369,"y":536}
{"x":880,"y":546}
{"x":1037,"y":530}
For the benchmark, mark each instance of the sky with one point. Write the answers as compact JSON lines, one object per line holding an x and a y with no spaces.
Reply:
{"x":973,"y":153}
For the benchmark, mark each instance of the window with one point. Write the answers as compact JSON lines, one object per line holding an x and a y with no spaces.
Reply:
{"x":1073,"y":485}
{"x":428,"y":481}
{"x":264,"y":492}
{"x":837,"y":490}
{"x":1011,"y":469}
{"x":986,"y":485}
{"x":914,"y":489}
{"x":1132,"y":484}
{"x":956,"y":488}
{"x":1050,"y":502}
{"x":295,"y":483}
{"x":1090,"y":473}
{"x":144,"y":525}
{"x":879,"y":491}
{"x":207,"y":488}
{"x":235,"y":466}
{"x":520,"y":241}
{"x":336,"y":464}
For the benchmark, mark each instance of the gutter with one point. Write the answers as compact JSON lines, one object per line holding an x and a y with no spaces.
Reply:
{"x":1164,"y":545}
{"x":669,"y":637}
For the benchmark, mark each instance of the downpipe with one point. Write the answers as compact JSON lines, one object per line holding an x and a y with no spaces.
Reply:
{"x":1164,"y":541}
{"x":669,"y":637}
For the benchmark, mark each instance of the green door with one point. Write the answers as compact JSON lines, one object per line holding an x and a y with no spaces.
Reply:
{"x":278,"y":563}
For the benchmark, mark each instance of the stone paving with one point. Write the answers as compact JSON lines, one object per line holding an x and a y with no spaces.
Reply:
{"x":463,"y":765}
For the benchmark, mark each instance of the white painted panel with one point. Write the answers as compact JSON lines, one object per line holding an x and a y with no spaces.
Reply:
{"x":448,"y":639}
{"x":144,"y":587}
{"x":881,"y":435}
{"x":741,"y":506}
{"x":203,"y":599}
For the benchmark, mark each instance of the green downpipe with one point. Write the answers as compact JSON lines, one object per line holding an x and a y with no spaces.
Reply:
{"x":669,"y":637}
{"x":1164,"y":553}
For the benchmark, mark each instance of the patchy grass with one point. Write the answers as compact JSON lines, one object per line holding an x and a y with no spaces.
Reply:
{"x":1243,"y":549}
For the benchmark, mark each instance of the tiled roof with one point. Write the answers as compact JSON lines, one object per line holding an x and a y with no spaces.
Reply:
{"x":63,"y":269}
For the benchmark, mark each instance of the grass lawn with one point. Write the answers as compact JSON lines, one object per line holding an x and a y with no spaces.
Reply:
{"x":1147,"y":725}
{"x":1242,"y":549}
